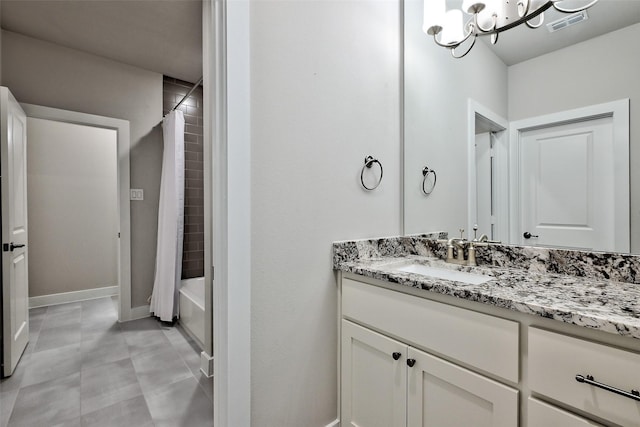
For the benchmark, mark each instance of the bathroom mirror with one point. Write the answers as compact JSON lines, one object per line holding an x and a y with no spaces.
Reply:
{"x":528,"y":74}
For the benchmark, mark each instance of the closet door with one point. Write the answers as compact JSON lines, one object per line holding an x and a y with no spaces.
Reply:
{"x":374,"y":379}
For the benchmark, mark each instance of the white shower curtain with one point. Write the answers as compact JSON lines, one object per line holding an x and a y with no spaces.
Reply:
{"x":164,"y":299}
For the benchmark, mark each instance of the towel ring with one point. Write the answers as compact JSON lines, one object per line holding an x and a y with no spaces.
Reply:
{"x":368,"y":162}
{"x":425,"y":173}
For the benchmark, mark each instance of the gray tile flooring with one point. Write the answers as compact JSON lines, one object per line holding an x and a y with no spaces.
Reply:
{"x":83,"y":368}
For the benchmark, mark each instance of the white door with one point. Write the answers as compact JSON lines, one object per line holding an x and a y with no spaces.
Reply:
{"x":484,"y":184}
{"x":441,"y":394}
{"x":15,"y":282}
{"x":567,"y":186}
{"x":374,"y":379}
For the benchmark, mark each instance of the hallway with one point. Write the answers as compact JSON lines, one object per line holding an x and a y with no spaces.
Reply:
{"x":83,"y":368}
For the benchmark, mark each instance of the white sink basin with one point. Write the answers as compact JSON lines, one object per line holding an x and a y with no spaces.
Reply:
{"x":442,"y":273}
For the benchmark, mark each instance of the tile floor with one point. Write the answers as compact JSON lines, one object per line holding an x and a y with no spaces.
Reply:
{"x":83,"y":368}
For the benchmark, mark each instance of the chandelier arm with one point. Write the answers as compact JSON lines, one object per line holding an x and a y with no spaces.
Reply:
{"x":448,"y":45}
{"x":538,"y":25}
{"x":525,"y":8}
{"x":483,"y":30}
{"x":532,"y":14}
{"x":456,"y":44}
{"x":578,"y":9}
{"x":453,"y":52}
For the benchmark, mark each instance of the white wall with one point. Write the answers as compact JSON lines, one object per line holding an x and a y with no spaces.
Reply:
{"x":325,"y":93}
{"x":73,"y":207}
{"x":437,"y":89}
{"x":46,"y":74}
{"x":596,"y":71}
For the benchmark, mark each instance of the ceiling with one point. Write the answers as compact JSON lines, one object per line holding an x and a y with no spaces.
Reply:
{"x":164,"y":36}
{"x":523,"y":43}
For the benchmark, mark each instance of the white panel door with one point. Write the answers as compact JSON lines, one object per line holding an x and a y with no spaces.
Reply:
{"x":15,"y":282}
{"x":484,"y":184}
{"x":567,"y":186}
{"x":441,"y":394}
{"x":374,"y":379}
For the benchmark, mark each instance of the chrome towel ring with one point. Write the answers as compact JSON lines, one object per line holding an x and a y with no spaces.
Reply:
{"x":425,"y":173}
{"x":368,"y":163}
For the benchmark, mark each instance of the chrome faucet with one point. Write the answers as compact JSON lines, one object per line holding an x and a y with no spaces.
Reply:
{"x":482,"y":238}
{"x":458,"y":246}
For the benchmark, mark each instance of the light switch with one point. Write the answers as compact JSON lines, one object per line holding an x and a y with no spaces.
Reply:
{"x":137,"y":194}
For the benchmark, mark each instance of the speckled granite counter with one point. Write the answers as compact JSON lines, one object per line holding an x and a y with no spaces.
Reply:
{"x":590,"y":289}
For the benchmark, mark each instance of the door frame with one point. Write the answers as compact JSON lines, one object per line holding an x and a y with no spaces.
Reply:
{"x":124,"y":204}
{"x":226,"y":65}
{"x":619,"y":112}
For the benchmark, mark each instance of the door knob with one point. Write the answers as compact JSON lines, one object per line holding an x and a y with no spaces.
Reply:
{"x":9,"y":247}
{"x":528,"y":235}
{"x":396,"y":355}
{"x":411,"y":362}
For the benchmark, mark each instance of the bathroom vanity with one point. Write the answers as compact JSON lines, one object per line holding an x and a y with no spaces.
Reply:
{"x":544,"y":338}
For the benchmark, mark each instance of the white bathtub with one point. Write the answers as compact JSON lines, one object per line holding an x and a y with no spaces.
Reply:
{"x":192,"y":308}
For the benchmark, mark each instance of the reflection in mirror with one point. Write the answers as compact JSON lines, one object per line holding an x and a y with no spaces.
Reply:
{"x":486,"y":135}
{"x":527,"y":74}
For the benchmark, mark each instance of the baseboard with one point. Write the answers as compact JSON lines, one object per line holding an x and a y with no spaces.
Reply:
{"x":190,"y":334}
{"x":335,"y":423}
{"x":75,"y":296}
{"x":206,"y":364}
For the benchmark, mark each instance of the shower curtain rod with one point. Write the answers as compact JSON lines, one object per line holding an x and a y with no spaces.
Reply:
{"x":188,"y":93}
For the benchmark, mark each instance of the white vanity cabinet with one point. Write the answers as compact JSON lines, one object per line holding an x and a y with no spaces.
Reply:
{"x":441,"y":393}
{"x":542,"y":414}
{"x":409,"y":359}
{"x":556,"y":359}
{"x":388,"y":380}
{"x":374,"y":378}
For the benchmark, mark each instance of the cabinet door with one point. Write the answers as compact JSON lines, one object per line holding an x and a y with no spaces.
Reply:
{"x":374,"y":382}
{"x":441,"y":394}
{"x":544,"y":415}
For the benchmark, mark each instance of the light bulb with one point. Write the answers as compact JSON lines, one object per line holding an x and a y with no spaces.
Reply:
{"x":485,"y":17}
{"x":452,"y":31}
{"x":433,"y":14}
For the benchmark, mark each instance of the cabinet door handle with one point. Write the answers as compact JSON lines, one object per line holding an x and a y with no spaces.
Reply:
{"x":588,"y":379}
{"x":396,"y":355}
{"x":411,"y":362}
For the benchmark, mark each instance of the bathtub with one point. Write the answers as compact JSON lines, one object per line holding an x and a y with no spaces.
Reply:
{"x":192,"y":308}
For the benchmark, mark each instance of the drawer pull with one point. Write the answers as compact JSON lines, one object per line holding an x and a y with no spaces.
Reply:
{"x":396,"y":355}
{"x":634,"y":394}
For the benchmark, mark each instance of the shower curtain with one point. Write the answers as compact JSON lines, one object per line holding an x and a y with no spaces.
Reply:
{"x":164,"y":299}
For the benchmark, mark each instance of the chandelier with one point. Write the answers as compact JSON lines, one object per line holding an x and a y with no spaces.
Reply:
{"x":488,"y":18}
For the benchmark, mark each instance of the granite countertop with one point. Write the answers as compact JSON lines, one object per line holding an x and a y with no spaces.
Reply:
{"x":589,"y":300}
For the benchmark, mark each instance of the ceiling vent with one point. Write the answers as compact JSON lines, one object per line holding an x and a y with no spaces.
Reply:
{"x":567,"y":21}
